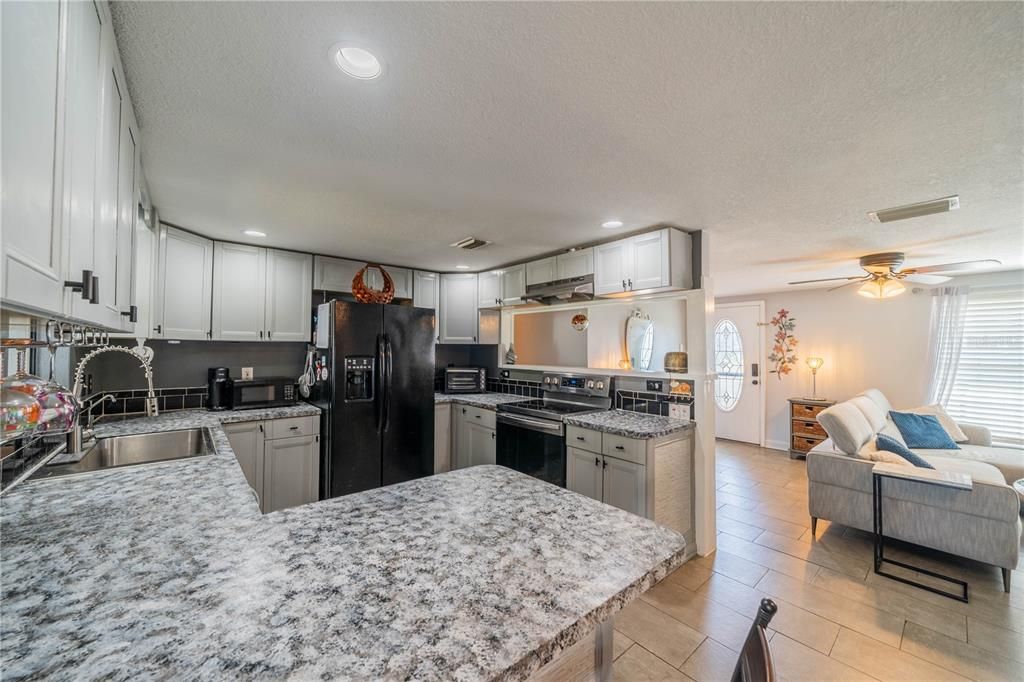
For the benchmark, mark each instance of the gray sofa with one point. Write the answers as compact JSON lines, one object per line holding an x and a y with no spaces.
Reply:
{"x":983,"y":524}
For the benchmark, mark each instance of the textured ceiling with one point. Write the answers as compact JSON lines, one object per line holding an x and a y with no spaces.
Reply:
{"x":776,"y":126}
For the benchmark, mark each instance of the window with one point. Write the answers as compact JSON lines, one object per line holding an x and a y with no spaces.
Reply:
{"x":989,"y":384}
{"x":728,"y":365}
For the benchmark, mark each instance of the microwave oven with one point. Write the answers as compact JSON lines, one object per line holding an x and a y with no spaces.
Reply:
{"x":264,"y":392}
{"x":465,"y":380}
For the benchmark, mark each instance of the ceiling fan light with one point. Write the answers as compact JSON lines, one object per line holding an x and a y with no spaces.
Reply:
{"x":881,"y":288}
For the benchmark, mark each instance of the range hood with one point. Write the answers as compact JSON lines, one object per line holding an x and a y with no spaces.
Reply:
{"x":571,"y":290}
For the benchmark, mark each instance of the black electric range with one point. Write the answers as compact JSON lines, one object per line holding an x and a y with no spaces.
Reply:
{"x":531,"y":433}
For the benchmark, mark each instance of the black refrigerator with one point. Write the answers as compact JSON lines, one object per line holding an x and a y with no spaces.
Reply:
{"x":377,"y":395}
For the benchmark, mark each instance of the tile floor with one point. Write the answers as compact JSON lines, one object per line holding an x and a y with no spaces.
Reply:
{"x":837,"y":620}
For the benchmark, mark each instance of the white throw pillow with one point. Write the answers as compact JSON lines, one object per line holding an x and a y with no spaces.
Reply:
{"x":870,"y":452}
{"x":939,"y":412}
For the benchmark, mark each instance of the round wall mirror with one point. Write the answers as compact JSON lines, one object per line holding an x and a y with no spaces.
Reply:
{"x":640,"y":340}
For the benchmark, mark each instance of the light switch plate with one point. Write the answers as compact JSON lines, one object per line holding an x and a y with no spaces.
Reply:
{"x":246,"y":373}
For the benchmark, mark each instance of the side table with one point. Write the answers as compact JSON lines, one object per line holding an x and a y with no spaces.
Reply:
{"x":945,"y":479}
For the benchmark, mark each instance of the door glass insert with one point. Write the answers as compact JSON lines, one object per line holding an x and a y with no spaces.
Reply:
{"x":728,"y":365}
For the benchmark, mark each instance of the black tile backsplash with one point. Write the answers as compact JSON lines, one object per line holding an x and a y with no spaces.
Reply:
{"x":527,"y":389}
{"x":133,"y":402}
{"x":650,"y":403}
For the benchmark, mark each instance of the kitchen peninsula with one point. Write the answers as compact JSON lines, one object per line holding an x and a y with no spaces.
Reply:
{"x":170,"y":570}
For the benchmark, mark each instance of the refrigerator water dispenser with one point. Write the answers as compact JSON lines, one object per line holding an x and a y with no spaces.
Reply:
{"x":359,"y":378}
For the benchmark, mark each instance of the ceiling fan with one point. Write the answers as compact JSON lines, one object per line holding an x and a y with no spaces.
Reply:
{"x":884,"y":278}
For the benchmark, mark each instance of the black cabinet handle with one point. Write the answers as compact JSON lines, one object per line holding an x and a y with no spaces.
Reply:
{"x":132,"y":313}
{"x":269,"y":335}
{"x":261,"y":428}
{"x":605,"y":464}
{"x":477,"y":416}
{"x":619,"y":447}
{"x":492,"y":435}
{"x":261,"y":335}
{"x":623,"y":285}
{"x":597,"y":461}
{"x":630,"y":284}
{"x":293,"y":428}
{"x":580,"y":438}
{"x":89,"y":286}
{"x":159,"y":329}
{"x":209,"y":334}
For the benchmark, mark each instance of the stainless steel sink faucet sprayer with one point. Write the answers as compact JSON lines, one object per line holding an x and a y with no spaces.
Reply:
{"x":75,"y":438}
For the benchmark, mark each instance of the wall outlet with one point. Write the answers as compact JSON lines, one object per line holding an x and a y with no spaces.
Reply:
{"x":246,"y":373}
{"x":676,"y":411}
{"x":654,"y":385}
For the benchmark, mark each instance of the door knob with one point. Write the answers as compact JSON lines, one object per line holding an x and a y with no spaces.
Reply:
{"x":755,"y":382}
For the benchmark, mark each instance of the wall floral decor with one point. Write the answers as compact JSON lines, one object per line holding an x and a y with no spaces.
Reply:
{"x":784,"y":344}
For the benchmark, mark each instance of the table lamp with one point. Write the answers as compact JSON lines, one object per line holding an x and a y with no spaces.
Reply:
{"x":815,"y":364}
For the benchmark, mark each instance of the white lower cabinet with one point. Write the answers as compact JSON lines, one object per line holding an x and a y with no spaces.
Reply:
{"x":474,"y":429}
{"x":283,"y":471}
{"x":648,"y":477}
{"x":442,"y":437}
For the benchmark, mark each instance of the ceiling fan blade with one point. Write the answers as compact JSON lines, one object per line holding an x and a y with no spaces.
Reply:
{"x":827,"y":279}
{"x":951,"y":267}
{"x":926,"y":279}
{"x":859,"y":280}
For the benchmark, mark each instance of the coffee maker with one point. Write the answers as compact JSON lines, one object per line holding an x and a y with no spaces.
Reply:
{"x":219,"y":389}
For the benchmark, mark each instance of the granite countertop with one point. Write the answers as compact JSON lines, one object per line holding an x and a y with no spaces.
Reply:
{"x":630,"y":424}
{"x":170,"y":570}
{"x":486,"y":400}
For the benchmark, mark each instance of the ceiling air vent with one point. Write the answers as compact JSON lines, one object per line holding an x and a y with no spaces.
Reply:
{"x":470,"y":243}
{"x":887,"y":215}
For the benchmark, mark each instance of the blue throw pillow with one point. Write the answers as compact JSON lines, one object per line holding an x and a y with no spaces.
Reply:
{"x":923,"y":431}
{"x":893,"y":445}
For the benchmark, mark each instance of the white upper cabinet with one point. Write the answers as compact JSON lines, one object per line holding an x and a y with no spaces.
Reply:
{"x":540,"y":271}
{"x":289,"y":298}
{"x":31,"y":242}
{"x":127,"y":214}
{"x":426,"y":289}
{"x":239,"y":282}
{"x":261,"y":294}
{"x":649,"y":262}
{"x":334,"y":274}
{"x":184,"y":285}
{"x":489,"y":289}
{"x":575,"y":263}
{"x":459,"y":316}
{"x":513,"y":285}
{"x":612,"y":264}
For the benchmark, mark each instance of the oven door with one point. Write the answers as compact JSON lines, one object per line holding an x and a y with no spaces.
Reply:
{"x":532,"y":446}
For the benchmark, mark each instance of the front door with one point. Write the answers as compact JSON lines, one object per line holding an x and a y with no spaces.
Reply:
{"x":737,"y":347}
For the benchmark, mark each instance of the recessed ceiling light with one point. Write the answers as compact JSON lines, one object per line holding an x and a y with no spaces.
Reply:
{"x":462,"y":267}
{"x":611,"y":224}
{"x":356,"y":62}
{"x":254,"y":233}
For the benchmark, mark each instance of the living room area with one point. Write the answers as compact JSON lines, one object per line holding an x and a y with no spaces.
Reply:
{"x":868,"y":343}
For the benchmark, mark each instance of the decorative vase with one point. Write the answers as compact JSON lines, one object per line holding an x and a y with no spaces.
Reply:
{"x":510,"y":356}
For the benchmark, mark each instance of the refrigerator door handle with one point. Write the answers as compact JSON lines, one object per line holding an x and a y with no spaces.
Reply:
{"x":387,"y":379}
{"x":378,"y":401}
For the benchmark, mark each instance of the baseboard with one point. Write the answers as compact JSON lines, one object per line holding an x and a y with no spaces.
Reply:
{"x":777,"y":445}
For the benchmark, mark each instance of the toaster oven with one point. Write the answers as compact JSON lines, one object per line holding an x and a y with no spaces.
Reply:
{"x":465,"y":380}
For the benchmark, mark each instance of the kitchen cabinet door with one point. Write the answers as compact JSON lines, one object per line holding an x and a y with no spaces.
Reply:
{"x":459,"y":317}
{"x":575,"y":263}
{"x":625,"y":485}
{"x":513,"y":285}
{"x":442,"y":437}
{"x":334,"y":274}
{"x":32,"y":250}
{"x":541,"y":271}
{"x":489,"y":289}
{"x":482,"y":448}
{"x":460,"y":430}
{"x":426,"y":289}
{"x":184,"y":294}
{"x":246,"y":439}
{"x":127,"y":202}
{"x":291,"y":472}
{"x":650,"y":261}
{"x":583,"y":473}
{"x":81,"y":136}
{"x":612,"y":267}
{"x":239,"y":279}
{"x":289,"y":297}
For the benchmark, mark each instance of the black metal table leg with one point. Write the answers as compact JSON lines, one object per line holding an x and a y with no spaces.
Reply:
{"x":880,"y":560}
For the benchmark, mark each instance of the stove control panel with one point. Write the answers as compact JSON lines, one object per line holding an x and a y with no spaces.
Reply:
{"x":580,"y":384}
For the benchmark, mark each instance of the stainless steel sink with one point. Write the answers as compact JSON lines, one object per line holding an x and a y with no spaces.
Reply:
{"x":143,"y":448}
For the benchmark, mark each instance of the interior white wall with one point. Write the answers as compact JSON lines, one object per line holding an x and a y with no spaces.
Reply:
{"x":606,"y":344}
{"x":865,"y":343}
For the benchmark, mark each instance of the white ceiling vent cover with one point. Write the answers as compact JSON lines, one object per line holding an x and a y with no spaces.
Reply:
{"x":924,"y":208}
{"x":470,"y":243}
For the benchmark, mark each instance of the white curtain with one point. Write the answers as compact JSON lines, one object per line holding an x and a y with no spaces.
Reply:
{"x":949,"y":310}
